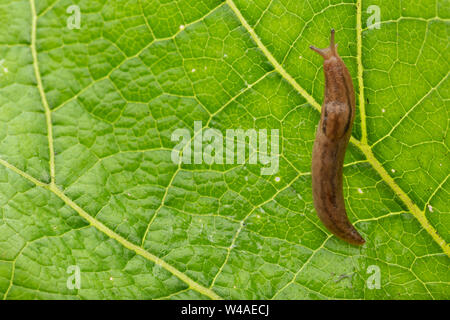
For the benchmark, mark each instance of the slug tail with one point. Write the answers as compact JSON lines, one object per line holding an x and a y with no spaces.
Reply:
{"x":353,"y":237}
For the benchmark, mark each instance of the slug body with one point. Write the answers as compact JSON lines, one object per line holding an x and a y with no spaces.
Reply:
{"x":332,"y":137}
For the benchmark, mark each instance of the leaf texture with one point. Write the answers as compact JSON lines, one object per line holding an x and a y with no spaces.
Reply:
{"x":86,"y":176}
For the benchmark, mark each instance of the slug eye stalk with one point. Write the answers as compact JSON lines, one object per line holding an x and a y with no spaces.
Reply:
{"x":328,"y":52}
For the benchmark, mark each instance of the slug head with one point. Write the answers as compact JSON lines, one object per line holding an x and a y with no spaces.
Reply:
{"x":327,"y":53}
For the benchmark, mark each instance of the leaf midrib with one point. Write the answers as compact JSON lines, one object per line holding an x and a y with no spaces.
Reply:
{"x":37,"y":73}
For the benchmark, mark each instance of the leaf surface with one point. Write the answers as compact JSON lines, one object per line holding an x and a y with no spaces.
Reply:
{"x":87,"y":180}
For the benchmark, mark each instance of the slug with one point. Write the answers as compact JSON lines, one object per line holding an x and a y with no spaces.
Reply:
{"x":332,"y":137}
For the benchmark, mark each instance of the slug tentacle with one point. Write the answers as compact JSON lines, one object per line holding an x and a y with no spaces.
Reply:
{"x":332,"y":137}
{"x":329,"y":52}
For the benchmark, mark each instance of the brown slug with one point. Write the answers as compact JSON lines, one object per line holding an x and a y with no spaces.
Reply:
{"x":332,"y":137}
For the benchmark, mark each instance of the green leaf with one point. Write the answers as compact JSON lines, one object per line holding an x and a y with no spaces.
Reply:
{"x":87,"y":179}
